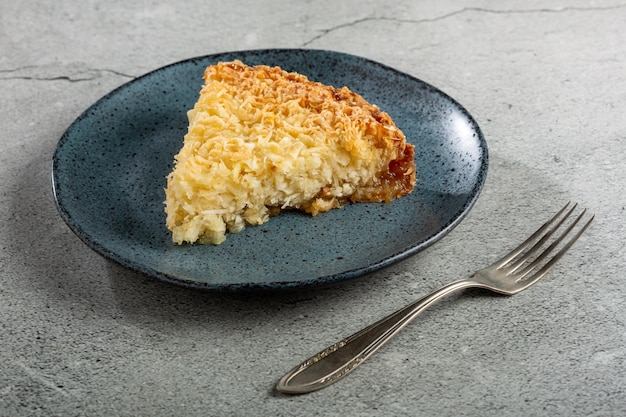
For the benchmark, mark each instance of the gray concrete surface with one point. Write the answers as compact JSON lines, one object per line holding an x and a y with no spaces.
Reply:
{"x":546,"y":81}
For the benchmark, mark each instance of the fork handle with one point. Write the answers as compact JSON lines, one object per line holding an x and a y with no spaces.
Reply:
{"x":339,"y":359}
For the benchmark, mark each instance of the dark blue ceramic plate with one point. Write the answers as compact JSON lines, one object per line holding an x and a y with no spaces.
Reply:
{"x":110,"y":167}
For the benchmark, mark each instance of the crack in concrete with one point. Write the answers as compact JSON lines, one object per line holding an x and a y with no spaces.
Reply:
{"x":325,"y":32}
{"x":45,"y":380}
{"x":22,"y":73}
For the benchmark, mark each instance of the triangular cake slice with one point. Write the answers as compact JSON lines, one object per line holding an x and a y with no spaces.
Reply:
{"x":261,"y":140}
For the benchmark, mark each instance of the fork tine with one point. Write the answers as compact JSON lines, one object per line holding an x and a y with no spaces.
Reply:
{"x":515,"y":252}
{"x":531,"y":266}
{"x":535,"y":248}
{"x":548,"y":265}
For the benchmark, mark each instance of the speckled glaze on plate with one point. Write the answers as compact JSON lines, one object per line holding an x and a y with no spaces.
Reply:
{"x":109,"y":171}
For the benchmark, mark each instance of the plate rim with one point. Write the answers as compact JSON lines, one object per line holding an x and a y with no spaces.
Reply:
{"x":148,"y":271}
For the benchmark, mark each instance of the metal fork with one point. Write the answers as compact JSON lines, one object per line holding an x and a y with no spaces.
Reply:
{"x":515,"y":272}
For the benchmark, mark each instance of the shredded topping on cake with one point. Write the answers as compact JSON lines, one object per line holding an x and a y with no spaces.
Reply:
{"x":261,"y":139}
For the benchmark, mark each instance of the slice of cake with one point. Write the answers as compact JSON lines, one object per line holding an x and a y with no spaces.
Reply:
{"x":261,"y":140}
